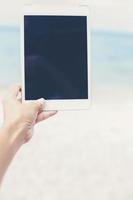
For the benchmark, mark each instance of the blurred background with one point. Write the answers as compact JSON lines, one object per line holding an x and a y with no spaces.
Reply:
{"x":86,"y":154}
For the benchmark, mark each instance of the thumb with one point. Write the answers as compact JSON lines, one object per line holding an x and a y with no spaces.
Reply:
{"x":39,"y":104}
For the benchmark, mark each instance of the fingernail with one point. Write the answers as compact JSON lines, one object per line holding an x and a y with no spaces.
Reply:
{"x":42,"y":101}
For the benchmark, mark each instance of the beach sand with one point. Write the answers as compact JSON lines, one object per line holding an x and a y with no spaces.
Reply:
{"x":78,"y":155}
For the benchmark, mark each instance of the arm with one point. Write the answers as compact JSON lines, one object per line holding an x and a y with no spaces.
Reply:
{"x":7,"y":150}
{"x":19,"y":120}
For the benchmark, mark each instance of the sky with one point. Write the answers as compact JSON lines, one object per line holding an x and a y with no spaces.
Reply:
{"x":105,"y":14}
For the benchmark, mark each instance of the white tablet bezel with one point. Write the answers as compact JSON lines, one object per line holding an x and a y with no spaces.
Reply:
{"x":68,"y":104}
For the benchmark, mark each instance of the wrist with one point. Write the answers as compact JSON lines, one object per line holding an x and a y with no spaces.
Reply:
{"x":9,"y":133}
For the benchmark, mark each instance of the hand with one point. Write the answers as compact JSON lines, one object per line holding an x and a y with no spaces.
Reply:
{"x":20,"y":118}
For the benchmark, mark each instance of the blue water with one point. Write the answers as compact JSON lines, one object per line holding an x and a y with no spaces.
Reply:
{"x":112,"y":57}
{"x":9,"y":55}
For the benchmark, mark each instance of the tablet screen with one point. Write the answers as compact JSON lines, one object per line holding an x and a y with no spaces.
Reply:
{"x":55,"y":57}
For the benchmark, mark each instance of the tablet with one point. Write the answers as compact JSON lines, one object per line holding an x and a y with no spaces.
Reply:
{"x":56,"y":56}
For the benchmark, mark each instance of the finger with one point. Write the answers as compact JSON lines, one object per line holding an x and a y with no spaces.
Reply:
{"x":45,"y":115}
{"x":37,"y":105}
{"x":19,"y":96}
{"x":15,"y":90}
{"x":11,"y":93}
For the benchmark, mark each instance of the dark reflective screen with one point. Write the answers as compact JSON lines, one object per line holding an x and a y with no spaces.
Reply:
{"x":55,"y":57}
